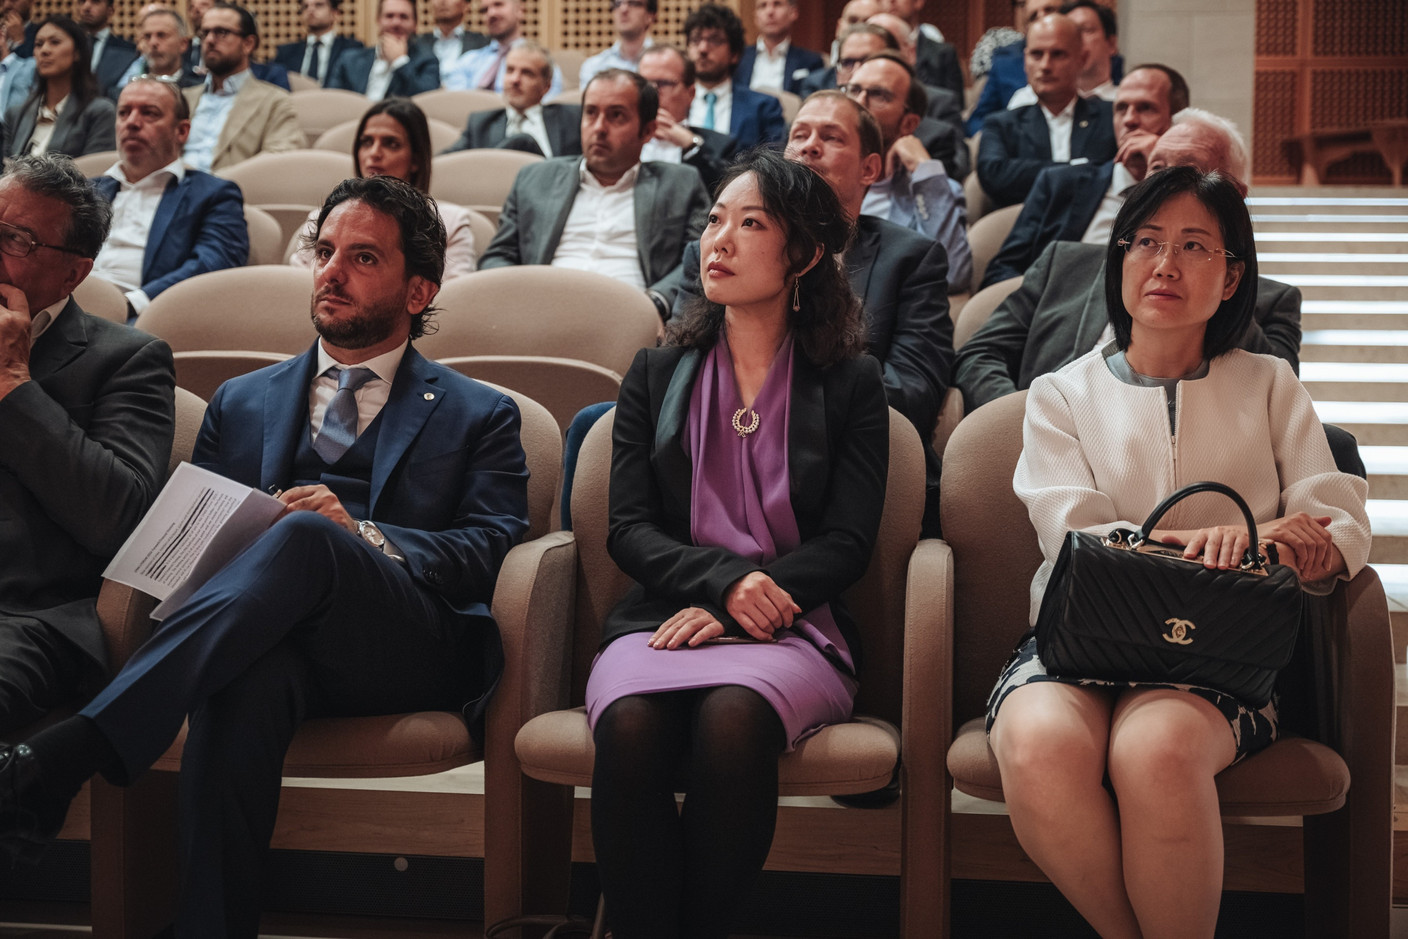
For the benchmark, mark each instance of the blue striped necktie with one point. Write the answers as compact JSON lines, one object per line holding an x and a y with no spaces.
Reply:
{"x":709,"y":99}
{"x":339,"y":429}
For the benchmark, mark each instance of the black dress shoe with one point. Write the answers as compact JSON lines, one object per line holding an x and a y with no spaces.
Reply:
{"x":30,"y":815}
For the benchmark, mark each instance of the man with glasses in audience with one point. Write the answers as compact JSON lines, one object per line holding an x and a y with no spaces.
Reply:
{"x":233,"y":114}
{"x":714,"y":36}
{"x":87,"y":416}
{"x":944,"y":103}
{"x":526,"y":123}
{"x":935,"y":61}
{"x":164,"y":39}
{"x":914,"y":190}
{"x":394,"y":67}
{"x":449,"y":39}
{"x":169,"y":222}
{"x":316,"y":55}
{"x":677,"y":141}
{"x":633,"y":20}
{"x":483,"y":68}
{"x":854,"y":45}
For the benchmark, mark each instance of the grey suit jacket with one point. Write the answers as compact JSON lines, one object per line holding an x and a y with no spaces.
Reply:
{"x":671,"y":207}
{"x":90,"y":129}
{"x":489,"y":128}
{"x":1058,"y":314}
{"x":83,"y":452}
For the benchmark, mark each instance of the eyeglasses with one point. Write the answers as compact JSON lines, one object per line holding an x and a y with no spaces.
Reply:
{"x":881,"y":96}
{"x":220,"y":32}
{"x":665,"y":84}
{"x":18,"y":243}
{"x":1145,"y":248}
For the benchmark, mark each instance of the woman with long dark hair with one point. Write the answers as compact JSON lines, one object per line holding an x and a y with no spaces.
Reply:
{"x":748,"y":476}
{"x":64,"y":112}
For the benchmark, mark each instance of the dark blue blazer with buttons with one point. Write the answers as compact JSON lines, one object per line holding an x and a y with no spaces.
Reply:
{"x":800,"y":63}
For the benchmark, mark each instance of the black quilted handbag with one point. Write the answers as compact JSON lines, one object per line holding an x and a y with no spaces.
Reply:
{"x":1127,"y":608}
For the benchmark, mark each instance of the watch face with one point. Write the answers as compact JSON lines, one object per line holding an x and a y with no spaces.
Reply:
{"x":371,"y":534}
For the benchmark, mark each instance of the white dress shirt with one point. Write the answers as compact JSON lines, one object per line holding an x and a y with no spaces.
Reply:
{"x":1059,"y":127}
{"x":324,"y":55}
{"x":44,"y":123}
{"x":1098,"y":231}
{"x":380,"y":77}
{"x":100,"y":41}
{"x":43,"y":319}
{"x":770,"y":68}
{"x":661,"y":151}
{"x":133,"y":209}
{"x":529,"y":122}
{"x":723,"y":106}
{"x":371,"y":397}
{"x":209,"y":119}
{"x":600,"y":233}
{"x":449,"y":48}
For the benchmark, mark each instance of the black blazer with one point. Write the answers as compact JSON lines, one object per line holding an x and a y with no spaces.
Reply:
{"x":489,"y":128}
{"x":1016,"y":146}
{"x":118,"y":56}
{"x":1060,"y":207}
{"x":944,"y":141}
{"x":354,"y":69}
{"x":838,"y":456}
{"x":799,"y":64}
{"x":290,"y":54}
{"x":469,"y":39}
{"x":936,"y":63}
{"x":713,"y":156}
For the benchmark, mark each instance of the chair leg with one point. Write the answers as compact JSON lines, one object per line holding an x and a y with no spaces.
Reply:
{"x":527,"y":846}
{"x":134,"y":856}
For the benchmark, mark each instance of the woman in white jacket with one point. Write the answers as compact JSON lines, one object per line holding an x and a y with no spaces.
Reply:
{"x":1168,"y":402}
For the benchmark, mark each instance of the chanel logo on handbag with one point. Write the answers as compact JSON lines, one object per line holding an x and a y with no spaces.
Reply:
{"x":1179,"y":633}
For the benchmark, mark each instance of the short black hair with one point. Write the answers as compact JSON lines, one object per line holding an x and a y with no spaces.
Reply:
{"x":1107,"y":15}
{"x":55,"y":176}
{"x":1220,"y":195}
{"x":717,"y":16}
{"x":1178,"y":96}
{"x":422,"y":231}
{"x":647,"y":97}
{"x":249,"y":26}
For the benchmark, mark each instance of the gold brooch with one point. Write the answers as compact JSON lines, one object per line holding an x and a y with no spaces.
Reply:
{"x":738,"y":421}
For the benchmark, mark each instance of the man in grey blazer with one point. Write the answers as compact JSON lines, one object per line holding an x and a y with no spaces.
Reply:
{"x":525,"y":123}
{"x":606,"y":211}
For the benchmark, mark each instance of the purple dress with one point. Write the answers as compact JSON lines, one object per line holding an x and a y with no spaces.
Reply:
{"x":740,"y":500}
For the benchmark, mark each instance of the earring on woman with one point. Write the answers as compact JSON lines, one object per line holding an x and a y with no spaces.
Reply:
{"x":797,"y":295}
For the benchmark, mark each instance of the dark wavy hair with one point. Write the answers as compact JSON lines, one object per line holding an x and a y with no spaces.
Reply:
{"x":417,"y":218}
{"x":83,"y":87}
{"x":1220,"y":195}
{"x":412,"y":120}
{"x":830,"y":325}
{"x":717,"y":16}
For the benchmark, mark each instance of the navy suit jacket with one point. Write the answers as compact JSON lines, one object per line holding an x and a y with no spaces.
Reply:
{"x":469,"y":39}
{"x":1006,"y":76}
{"x":118,"y":56}
{"x":489,"y":128}
{"x":756,"y":118}
{"x":936,"y":63}
{"x":800,"y":63}
{"x":1060,"y":207}
{"x":198,"y":227}
{"x":1016,"y":146}
{"x":290,"y":54}
{"x":354,"y":68}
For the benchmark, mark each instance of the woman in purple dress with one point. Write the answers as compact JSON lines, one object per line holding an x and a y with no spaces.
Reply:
{"x":747,"y":481}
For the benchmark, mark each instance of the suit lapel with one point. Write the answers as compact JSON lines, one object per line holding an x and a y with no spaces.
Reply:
{"x":806,"y":437}
{"x":672,"y":461}
{"x":562,"y":194}
{"x":1088,"y":195}
{"x":860,"y":259}
{"x":240,"y":114}
{"x":647,"y":185}
{"x":285,"y":417}
{"x":171,"y":200}
{"x":25,"y":128}
{"x":1082,"y":127}
{"x":1035,"y":130}
{"x":415,"y":394}
{"x":61,"y":343}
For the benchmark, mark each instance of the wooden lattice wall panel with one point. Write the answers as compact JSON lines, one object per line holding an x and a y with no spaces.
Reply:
{"x":1360,"y":28}
{"x":1275,"y":121}
{"x":1349,"y":97}
{"x":1276,"y":24}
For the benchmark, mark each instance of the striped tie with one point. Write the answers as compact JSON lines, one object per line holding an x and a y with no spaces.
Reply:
{"x":339,"y":429}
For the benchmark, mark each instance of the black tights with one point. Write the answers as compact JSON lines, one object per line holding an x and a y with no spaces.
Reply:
{"x":665,"y":873}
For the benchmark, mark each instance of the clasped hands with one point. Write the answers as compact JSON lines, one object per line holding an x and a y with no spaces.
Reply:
{"x":318,"y":499}
{"x":756,"y":603}
{"x":1304,"y":543}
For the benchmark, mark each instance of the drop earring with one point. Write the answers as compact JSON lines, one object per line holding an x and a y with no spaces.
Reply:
{"x":797,"y":295}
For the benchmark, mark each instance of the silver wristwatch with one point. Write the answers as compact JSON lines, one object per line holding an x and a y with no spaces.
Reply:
{"x":372,"y":535}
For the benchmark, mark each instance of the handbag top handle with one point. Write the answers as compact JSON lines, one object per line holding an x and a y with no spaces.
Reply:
{"x":1251,"y":558}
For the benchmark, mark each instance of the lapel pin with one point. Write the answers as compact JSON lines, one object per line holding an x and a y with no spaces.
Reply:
{"x":1083,"y":123}
{"x":430,"y":396}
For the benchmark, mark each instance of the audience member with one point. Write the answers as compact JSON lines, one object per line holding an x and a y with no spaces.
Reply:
{"x":773,"y":62}
{"x":853,"y":46}
{"x":317,"y":54}
{"x":998,"y":37}
{"x":395,"y":67}
{"x":111,"y":54}
{"x":1096,"y":23}
{"x":914,"y":191}
{"x":606,"y":212}
{"x":169,"y":223}
{"x":855,"y":11}
{"x":1058,"y":313}
{"x":714,"y":37}
{"x":393,"y":139}
{"x":64,"y":112}
{"x":164,"y":41}
{"x":944,"y":103}
{"x":86,"y":422}
{"x":484,"y":67}
{"x":1079,"y":202}
{"x":449,"y":39}
{"x":21,"y":26}
{"x":369,"y":596}
{"x":1017,"y":145}
{"x":1007,"y":72}
{"x":16,"y":76}
{"x":677,"y":141}
{"x":195,"y":12}
{"x":526,"y":123}
{"x":633,"y":20}
{"x":233,"y":114}
{"x":935,"y":61}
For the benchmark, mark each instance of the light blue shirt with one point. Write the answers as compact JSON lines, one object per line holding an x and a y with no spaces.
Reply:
{"x":932,"y":204}
{"x":212,"y":111}
{"x":448,"y":50}
{"x":469,"y":69}
{"x":610,"y":58}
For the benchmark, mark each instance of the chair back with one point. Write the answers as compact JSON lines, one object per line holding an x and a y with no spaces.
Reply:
{"x":190,"y":414}
{"x":567,"y":96}
{"x":994,"y":546}
{"x":876,"y":600}
{"x":297,"y":81}
{"x":317,"y":109}
{"x":546,"y":311}
{"x":202,"y":372}
{"x":979,"y":307}
{"x":542,"y":450}
{"x":455,"y":107}
{"x":101,"y":298}
{"x":790,"y":102}
{"x":563,"y":386}
{"x":266,"y":236}
{"x":483,"y":228}
{"x":339,"y":137}
{"x":985,"y":238}
{"x":569,"y":62}
{"x":96,"y":164}
{"x":295,"y":177}
{"x":978,"y":202}
{"x":477,"y":177}
{"x":259,"y":309}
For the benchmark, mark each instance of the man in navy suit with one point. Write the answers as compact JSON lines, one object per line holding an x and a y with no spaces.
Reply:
{"x":112,"y":54}
{"x":395,"y":66}
{"x":1079,"y":203}
{"x":1062,"y":127}
{"x":169,"y":222}
{"x":405,"y":486}
{"x":449,"y":39}
{"x":773,"y":62}
{"x":714,"y":36}
{"x":316,"y":55}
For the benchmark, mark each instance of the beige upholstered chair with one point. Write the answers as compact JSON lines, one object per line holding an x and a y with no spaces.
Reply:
{"x":318,"y":109}
{"x":542,"y":311}
{"x":483,"y":227}
{"x":790,"y":102}
{"x":455,"y":107}
{"x":339,"y":137}
{"x":102,"y":298}
{"x":563,"y":386}
{"x":985,"y":237}
{"x":266,"y":238}
{"x":96,"y":164}
{"x":567,"y":96}
{"x":298,"y":177}
{"x":569,"y":61}
{"x":297,"y":81}
{"x":901,"y":596}
{"x":978,"y":202}
{"x":257,"y":309}
{"x":202,"y":371}
{"x":1345,"y":793}
{"x":966,"y":321}
{"x":479,"y":179}
{"x":133,"y":836}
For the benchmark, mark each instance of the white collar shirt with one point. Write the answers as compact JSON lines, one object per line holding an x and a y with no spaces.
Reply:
{"x":610,"y":57}
{"x":529,"y":122}
{"x":44,"y":125}
{"x":324,"y":55}
{"x":449,"y":48}
{"x":770,"y":68}
{"x":100,"y":42}
{"x":600,"y":233}
{"x":380,"y":78}
{"x":371,"y":397}
{"x":133,"y":209}
{"x":212,"y":111}
{"x":1098,"y":231}
{"x":41,"y":321}
{"x":723,"y":106}
{"x":1059,"y":127}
